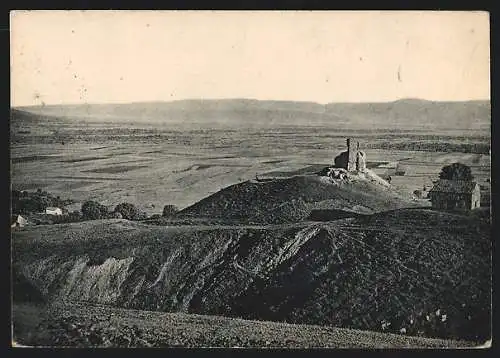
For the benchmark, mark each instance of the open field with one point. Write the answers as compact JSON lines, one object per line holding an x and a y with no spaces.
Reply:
{"x":157,"y":165}
{"x":87,"y":325}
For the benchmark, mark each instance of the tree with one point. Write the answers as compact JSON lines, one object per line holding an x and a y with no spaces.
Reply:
{"x":169,"y":210}
{"x":92,"y":210}
{"x":115,"y":215}
{"x":456,"y":171}
{"x":128,"y":211}
{"x":75,"y":216}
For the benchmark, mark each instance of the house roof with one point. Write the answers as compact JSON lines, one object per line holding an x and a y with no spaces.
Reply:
{"x":52,"y":208}
{"x":16,"y":218}
{"x":454,"y":186}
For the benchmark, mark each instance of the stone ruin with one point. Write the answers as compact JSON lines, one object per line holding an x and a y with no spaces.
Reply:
{"x":335,"y":173}
{"x":352,"y":159}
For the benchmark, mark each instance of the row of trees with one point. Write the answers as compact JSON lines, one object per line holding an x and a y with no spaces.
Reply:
{"x":426,"y":146}
{"x":26,"y":203}
{"x":92,"y":210}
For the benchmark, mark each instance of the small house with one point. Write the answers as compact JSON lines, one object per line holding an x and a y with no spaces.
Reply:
{"x":53,"y":211}
{"x":455,"y":195}
{"x":17,"y":221}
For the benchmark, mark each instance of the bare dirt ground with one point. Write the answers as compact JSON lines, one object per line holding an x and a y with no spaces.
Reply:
{"x":87,"y":325}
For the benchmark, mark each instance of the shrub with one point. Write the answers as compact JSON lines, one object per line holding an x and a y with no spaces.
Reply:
{"x":36,"y":202}
{"x":456,"y":171}
{"x":115,"y":215}
{"x":170,"y":210}
{"x":92,"y":210}
{"x":75,"y":216}
{"x":128,"y":211}
{"x":141,"y":216}
{"x":71,"y":217}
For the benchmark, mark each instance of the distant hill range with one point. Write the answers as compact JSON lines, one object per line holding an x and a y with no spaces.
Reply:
{"x":405,"y":113}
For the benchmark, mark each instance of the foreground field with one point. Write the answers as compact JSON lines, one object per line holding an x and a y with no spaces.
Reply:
{"x":85,"y":325}
{"x":410,"y":270}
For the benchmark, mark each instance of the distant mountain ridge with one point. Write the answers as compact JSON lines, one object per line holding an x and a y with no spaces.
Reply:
{"x":404,"y":113}
{"x":443,"y":114}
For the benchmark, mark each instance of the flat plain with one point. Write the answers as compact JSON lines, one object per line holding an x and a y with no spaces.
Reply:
{"x":151,"y":164}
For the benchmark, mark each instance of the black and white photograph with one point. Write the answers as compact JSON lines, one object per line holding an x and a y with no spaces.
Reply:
{"x":250,"y":179}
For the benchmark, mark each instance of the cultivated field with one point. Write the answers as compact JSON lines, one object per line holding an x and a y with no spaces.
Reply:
{"x":151,"y":165}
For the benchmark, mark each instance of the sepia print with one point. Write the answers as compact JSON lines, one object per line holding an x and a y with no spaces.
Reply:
{"x":250,"y":179}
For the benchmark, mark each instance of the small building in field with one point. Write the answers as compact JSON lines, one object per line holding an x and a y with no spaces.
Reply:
{"x":17,"y":221}
{"x":53,"y":211}
{"x":455,"y":195}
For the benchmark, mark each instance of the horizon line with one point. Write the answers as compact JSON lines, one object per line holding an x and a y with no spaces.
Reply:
{"x":245,"y":99}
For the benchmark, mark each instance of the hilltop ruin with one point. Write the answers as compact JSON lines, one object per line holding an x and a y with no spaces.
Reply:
{"x":352,"y":159}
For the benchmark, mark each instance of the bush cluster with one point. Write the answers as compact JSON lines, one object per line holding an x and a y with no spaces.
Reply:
{"x":24,"y":202}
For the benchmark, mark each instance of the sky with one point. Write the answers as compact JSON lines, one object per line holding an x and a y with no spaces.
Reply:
{"x":70,"y":57}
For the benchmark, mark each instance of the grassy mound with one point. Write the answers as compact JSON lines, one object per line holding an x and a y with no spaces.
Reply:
{"x":292,"y":199}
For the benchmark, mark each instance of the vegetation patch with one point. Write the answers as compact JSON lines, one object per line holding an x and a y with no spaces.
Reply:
{"x":31,"y":158}
{"x":78,"y":160}
{"x":116,"y":169}
{"x":84,"y":325}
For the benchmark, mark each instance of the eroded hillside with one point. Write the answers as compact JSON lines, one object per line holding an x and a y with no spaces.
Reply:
{"x":424,"y":271}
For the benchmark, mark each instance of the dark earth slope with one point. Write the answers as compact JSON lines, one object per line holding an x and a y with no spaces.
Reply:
{"x":424,"y":271}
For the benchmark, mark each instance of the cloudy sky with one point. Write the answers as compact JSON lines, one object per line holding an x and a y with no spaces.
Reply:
{"x":64,"y":57}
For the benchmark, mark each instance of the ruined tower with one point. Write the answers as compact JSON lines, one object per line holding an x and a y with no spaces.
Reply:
{"x":360,"y":161}
{"x":352,"y":159}
{"x":351,"y":154}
